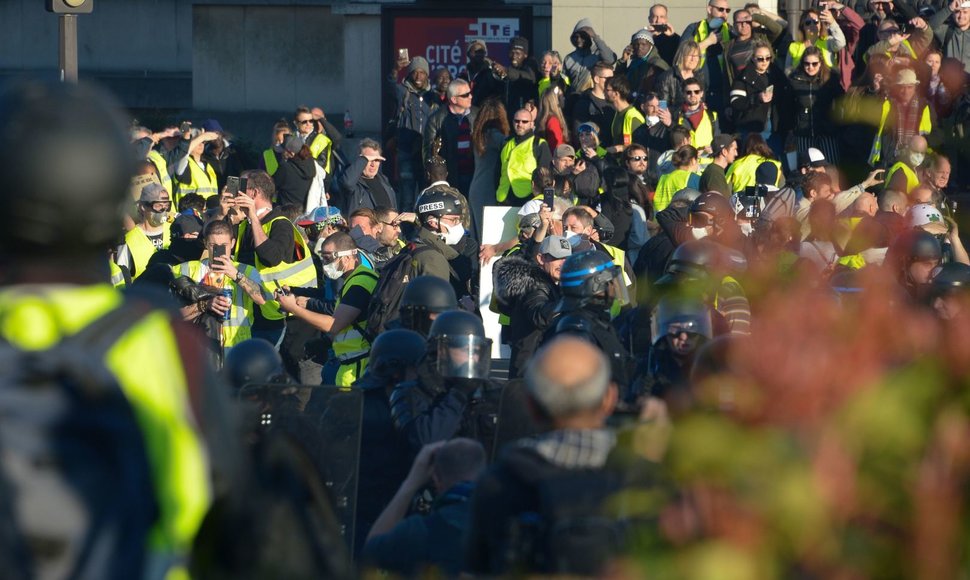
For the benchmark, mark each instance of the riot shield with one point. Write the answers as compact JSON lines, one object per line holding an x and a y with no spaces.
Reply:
{"x":324,"y":422}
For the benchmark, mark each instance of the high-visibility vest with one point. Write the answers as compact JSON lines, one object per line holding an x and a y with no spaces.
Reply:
{"x":668,"y":185}
{"x":518,"y":163}
{"x":203,"y":183}
{"x":350,"y":345}
{"x":925,"y":126}
{"x":911,"y":179}
{"x":147,"y":364}
{"x":702,"y":32}
{"x":162,"y":166}
{"x":703,"y":135}
{"x":619,"y":259}
{"x":322,"y":145}
{"x":117,"y":276}
{"x":298,"y":274}
{"x":741,"y":173}
{"x":797,"y":49}
{"x":625,"y":135}
{"x":142,"y":249}
{"x":269,"y":158}
{"x":241,"y":314}
{"x":545,"y":82}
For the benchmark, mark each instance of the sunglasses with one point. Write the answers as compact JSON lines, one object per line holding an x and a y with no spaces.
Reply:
{"x":463,"y":95}
{"x":740,"y":22}
{"x":522,"y":121}
{"x":303,"y":121}
{"x":810,"y":23}
{"x":637,"y":158}
{"x":889,"y":31}
{"x":763,"y":58}
{"x":811,"y":63}
{"x":585,"y":130}
{"x":700,"y":220}
{"x":693,"y":92}
{"x":724,"y":10}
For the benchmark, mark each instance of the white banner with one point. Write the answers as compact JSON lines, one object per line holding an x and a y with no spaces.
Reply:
{"x":499,"y":224}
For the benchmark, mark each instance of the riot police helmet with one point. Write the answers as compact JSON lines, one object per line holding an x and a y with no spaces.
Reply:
{"x":254,"y":361}
{"x":424,"y":298}
{"x":461,"y":349}
{"x":588,"y":276}
{"x":676,"y":315}
{"x":394,"y":351}
{"x":67,"y":168}
{"x":952,"y":277}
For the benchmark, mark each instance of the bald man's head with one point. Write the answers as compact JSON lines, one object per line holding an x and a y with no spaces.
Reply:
{"x":568,"y":378}
{"x":921,"y":194}
{"x":918,"y":144}
{"x":893,"y":201}
{"x":865,"y":205}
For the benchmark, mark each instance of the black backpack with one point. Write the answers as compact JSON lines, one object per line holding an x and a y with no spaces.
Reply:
{"x":385,"y":303}
{"x":75,"y":482}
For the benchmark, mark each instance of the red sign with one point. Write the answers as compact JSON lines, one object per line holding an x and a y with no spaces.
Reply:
{"x":443,"y":41}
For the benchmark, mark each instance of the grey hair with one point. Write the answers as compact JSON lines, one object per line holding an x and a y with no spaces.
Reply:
{"x":368,"y":142}
{"x":139,"y":132}
{"x":455,"y":86}
{"x":567,"y":399}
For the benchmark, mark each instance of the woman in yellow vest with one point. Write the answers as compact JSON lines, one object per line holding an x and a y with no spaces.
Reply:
{"x":152,"y":233}
{"x":271,"y":156}
{"x":219,"y":270}
{"x":817,"y":28}
{"x":686,"y":164}
{"x":192,"y":173}
{"x":740,"y":174}
{"x":347,"y":326}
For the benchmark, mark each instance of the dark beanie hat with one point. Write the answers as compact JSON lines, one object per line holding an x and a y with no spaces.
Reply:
{"x":519,"y":42}
{"x":766,"y":174}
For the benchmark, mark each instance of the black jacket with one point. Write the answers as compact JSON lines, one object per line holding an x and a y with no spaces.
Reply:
{"x":293,"y":180}
{"x":445,"y":123}
{"x":357,"y":193}
{"x":528,"y":296}
{"x":750,"y":114}
{"x":813,"y":103}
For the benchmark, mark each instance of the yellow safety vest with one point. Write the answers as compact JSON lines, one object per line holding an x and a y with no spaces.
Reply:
{"x":322,"y":145}
{"x":298,"y":274}
{"x":797,"y":49}
{"x":623,"y":134}
{"x":142,"y":249}
{"x":702,"y":31}
{"x":147,"y":364}
{"x":518,"y":163}
{"x":925,"y":126}
{"x":545,"y":82}
{"x":203,"y":183}
{"x":619,"y":259}
{"x":241,"y":314}
{"x":668,"y":185}
{"x":911,"y":179}
{"x":117,"y":276}
{"x":269,"y":157}
{"x":350,"y":346}
{"x":703,"y":135}
{"x":741,"y":173}
{"x":162,"y":167}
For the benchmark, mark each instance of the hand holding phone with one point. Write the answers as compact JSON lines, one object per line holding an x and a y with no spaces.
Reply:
{"x":232,"y":186}
{"x":549,"y":197}
{"x":219,"y":252}
{"x":662,"y":104}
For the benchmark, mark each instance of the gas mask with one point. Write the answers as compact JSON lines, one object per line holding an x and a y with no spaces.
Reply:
{"x":156,"y":218}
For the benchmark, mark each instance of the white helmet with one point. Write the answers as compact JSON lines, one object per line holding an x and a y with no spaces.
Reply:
{"x":922,"y":215}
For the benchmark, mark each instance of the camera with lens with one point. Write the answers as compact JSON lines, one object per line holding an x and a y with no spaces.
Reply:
{"x":751,"y":202}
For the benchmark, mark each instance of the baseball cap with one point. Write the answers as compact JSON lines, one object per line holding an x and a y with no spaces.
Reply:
{"x":927,"y":217}
{"x":812,"y":157}
{"x":721,"y":142}
{"x":907,"y":76}
{"x":565,"y":150}
{"x":519,"y":42}
{"x":321,"y":215}
{"x":293,"y":144}
{"x":592,"y":127}
{"x":186,"y":223}
{"x":212,"y":125}
{"x":555,"y":246}
{"x":152,"y":192}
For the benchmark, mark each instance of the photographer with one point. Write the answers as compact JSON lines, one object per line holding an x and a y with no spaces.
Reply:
{"x":218,"y":272}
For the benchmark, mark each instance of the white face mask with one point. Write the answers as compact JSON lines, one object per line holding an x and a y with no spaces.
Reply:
{"x":156,"y":219}
{"x":332,"y":270}
{"x":698,"y":233}
{"x":747,"y":228}
{"x":653,"y":120}
{"x":452,"y":234}
{"x":572,"y":237}
{"x":916,"y":158}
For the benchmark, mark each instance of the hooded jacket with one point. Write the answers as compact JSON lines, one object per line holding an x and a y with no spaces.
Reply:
{"x":579,"y":63}
{"x":643,"y":72}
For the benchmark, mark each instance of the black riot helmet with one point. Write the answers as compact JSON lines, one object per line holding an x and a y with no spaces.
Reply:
{"x":577,"y":326}
{"x":423,"y":298}
{"x":675,"y":315}
{"x":915,"y":245}
{"x":437,"y":202}
{"x":457,"y":341}
{"x":697,"y":260}
{"x":952,"y":277}
{"x":67,"y":167}
{"x":254,"y":361}
{"x":715,"y":205}
{"x":394,"y":351}
{"x":587,"y":276}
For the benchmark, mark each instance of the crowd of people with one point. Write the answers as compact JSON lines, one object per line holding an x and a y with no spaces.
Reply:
{"x":736,"y":258}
